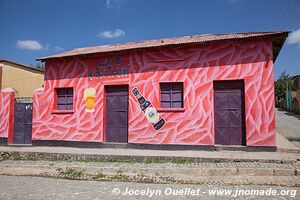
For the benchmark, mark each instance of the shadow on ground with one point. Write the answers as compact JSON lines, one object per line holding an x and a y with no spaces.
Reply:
{"x":297,"y":116}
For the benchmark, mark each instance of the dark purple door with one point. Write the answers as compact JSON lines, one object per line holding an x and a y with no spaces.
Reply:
{"x":22,"y":123}
{"x":116,"y":123}
{"x":229,"y":114}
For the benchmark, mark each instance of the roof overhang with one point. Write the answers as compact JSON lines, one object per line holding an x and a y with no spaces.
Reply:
{"x":278,"y":39}
{"x":277,"y":44}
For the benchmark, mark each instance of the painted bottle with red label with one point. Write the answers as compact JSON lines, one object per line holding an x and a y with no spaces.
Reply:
{"x":149,"y":111}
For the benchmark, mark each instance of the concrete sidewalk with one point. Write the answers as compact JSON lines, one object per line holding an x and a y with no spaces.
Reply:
{"x":286,"y":153}
{"x":288,"y":124}
{"x":284,"y":145}
{"x":106,"y":154}
{"x":156,"y":166}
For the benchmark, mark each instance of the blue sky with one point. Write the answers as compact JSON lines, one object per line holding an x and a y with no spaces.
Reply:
{"x":36,"y":28}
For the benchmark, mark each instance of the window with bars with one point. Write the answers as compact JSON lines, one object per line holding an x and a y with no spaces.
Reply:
{"x":64,"y":98}
{"x":171,"y":95}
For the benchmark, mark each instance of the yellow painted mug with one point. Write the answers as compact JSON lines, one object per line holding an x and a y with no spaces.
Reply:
{"x":89,"y":97}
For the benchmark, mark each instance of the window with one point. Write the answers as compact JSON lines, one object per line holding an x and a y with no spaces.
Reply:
{"x":171,"y":95}
{"x":64,"y":98}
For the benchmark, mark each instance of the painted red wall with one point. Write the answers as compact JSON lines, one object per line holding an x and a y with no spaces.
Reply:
{"x":0,"y":77}
{"x":197,"y":66}
{"x":6,"y":113}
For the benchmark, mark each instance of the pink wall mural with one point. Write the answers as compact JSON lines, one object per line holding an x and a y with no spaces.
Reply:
{"x":6,"y":112}
{"x":197,"y":66}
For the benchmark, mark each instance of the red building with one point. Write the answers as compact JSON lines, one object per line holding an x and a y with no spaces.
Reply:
{"x":197,"y":90}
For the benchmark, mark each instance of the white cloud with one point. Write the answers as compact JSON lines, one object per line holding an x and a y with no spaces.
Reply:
{"x":57,"y":48}
{"x":294,"y":37}
{"x":108,"y":3}
{"x":30,"y":45}
{"x":111,"y":34}
{"x":114,"y":3}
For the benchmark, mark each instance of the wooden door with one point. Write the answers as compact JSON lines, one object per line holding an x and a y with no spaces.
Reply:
{"x":229,"y":113}
{"x":22,"y":133}
{"x":116,"y":119}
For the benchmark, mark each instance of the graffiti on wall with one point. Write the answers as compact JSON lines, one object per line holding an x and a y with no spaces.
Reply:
{"x":196,"y":66}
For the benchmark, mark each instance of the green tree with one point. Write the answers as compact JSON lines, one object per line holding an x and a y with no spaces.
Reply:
{"x":281,"y":85}
{"x":39,"y":65}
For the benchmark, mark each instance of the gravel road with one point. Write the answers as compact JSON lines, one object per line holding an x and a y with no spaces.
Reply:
{"x":25,"y":188}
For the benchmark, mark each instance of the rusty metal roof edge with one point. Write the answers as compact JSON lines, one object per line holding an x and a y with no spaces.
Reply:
{"x":22,"y":65}
{"x":220,"y":37}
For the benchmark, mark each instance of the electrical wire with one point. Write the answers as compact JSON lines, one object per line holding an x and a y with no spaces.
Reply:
{"x":287,"y":15}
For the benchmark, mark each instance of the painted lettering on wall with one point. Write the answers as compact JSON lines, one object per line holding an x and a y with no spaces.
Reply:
{"x":109,"y":69}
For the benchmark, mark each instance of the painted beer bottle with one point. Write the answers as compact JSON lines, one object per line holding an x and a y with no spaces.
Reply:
{"x":150,"y":112}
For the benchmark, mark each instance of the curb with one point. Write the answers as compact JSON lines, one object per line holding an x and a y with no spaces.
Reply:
{"x":128,"y":158}
{"x":268,"y":174}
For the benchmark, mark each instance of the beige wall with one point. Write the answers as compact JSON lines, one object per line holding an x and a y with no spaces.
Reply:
{"x":23,"y":80}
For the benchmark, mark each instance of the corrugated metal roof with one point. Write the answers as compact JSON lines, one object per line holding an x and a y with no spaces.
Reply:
{"x":164,"y":42}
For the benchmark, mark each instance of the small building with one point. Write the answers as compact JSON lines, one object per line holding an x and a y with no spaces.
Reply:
{"x":201,"y":90}
{"x":296,"y":93}
{"x":22,"y":78}
{"x":17,"y":83}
